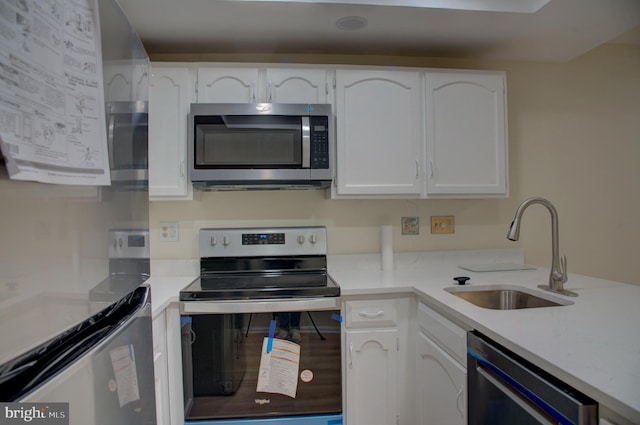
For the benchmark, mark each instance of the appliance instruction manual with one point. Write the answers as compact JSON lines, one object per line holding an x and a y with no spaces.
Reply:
{"x":279,"y":365}
{"x":52,"y":113}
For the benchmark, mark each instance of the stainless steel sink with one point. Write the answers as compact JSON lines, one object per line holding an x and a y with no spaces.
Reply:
{"x":506,"y":297}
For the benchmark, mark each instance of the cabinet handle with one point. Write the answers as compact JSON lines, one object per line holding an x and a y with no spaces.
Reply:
{"x":417,"y":170}
{"x":351,"y":355}
{"x":431,"y":168}
{"x":270,"y":90}
{"x":183,"y":171}
{"x":372,"y":315}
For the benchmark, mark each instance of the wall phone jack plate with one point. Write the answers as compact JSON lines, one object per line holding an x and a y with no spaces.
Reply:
{"x":410,"y":225}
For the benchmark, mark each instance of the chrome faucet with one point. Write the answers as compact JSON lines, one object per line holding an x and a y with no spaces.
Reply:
{"x":558,"y":275}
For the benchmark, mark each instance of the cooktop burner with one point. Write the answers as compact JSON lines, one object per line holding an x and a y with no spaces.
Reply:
{"x":262,"y":263}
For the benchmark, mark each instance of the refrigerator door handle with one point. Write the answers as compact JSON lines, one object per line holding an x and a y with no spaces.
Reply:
{"x":31,"y":369}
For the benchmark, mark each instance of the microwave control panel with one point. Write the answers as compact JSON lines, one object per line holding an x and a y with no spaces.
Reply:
{"x":319,"y":141}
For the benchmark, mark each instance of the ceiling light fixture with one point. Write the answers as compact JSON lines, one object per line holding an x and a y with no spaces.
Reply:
{"x":351,"y":23}
{"x":514,"y":6}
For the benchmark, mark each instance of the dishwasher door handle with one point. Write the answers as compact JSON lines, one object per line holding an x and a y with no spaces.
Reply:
{"x":521,"y":395}
{"x":516,"y":397}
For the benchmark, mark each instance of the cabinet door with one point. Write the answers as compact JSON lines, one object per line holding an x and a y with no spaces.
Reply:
{"x":223,"y":84}
{"x":371,"y":373}
{"x":441,"y":386}
{"x":466,"y":133}
{"x":296,"y":85}
{"x":118,"y":81}
{"x":161,"y":369}
{"x":171,"y":92}
{"x":379,"y":132}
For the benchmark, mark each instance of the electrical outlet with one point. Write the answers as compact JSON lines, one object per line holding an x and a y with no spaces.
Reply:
{"x":443,"y":224}
{"x":410,"y":225}
{"x":169,"y":231}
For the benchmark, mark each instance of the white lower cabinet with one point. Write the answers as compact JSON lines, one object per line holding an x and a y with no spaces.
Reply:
{"x":441,"y":372}
{"x":160,"y":369}
{"x":441,"y":385}
{"x":377,"y":362}
{"x":371,"y":387}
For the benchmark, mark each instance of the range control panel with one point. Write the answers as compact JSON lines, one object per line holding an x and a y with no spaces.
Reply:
{"x":262,"y":238}
{"x":258,"y":242}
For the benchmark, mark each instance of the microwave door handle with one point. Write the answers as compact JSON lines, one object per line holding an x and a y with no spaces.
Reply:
{"x":306,"y":143}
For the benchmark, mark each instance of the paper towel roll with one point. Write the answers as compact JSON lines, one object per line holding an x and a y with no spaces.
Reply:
{"x":386,"y":244}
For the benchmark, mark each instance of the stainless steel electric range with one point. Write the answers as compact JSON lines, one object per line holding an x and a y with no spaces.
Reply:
{"x":262,"y":288}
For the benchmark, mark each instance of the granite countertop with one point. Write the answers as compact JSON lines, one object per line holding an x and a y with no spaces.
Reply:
{"x":591,"y":345}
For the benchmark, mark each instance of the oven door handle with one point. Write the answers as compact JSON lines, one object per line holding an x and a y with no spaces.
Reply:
{"x":518,"y":393}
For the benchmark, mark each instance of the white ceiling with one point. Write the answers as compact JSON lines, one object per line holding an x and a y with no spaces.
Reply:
{"x":558,"y":32}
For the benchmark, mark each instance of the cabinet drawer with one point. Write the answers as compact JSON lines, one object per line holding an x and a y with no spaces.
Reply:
{"x":449,"y":336}
{"x":362,"y":314}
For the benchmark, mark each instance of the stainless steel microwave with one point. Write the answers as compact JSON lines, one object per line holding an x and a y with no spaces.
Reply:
{"x":260,"y":145}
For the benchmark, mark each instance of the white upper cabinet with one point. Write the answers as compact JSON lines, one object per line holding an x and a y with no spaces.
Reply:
{"x":379,"y":132}
{"x":297,"y":85}
{"x":218,"y":83}
{"x":171,"y":91}
{"x":225,"y":83}
{"x":466,"y":134}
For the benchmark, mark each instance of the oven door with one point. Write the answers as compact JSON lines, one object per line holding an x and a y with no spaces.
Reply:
{"x":241,"y":361}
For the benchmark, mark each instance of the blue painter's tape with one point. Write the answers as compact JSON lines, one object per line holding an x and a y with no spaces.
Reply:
{"x":186,"y":319}
{"x":131,"y":352}
{"x":335,"y":422}
{"x":308,"y":108}
{"x":272,"y":332}
{"x":337,"y":317}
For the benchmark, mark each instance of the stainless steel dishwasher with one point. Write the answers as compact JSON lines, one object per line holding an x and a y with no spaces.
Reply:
{"x":506,"y":389}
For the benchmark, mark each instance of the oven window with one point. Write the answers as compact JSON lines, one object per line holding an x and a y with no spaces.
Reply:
{"x":222,"y":356}
{"x":249,"y":142}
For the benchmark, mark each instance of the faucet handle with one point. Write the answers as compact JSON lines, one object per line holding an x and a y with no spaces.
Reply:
{"x":563,"y":268}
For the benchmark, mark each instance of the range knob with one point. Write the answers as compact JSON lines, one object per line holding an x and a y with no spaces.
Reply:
{"x":226,"y":240}
{"x":300,"y":239}
{"x":313,"y":238}
{"x":213,"y":241}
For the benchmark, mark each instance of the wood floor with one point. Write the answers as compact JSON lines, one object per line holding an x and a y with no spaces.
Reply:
{"x":321,"y":395}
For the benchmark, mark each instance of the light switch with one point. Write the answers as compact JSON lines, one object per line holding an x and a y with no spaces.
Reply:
{"x":443,"y":224}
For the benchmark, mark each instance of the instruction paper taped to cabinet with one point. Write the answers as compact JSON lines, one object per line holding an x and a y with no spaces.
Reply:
{"x":52,"y":112}
{"x":279,"y":367}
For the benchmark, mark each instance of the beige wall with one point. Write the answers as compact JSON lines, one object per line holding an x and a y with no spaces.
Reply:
{"x":574,"y":138}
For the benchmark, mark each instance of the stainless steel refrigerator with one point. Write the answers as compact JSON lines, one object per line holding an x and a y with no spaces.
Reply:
{"x":75,"y":316}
